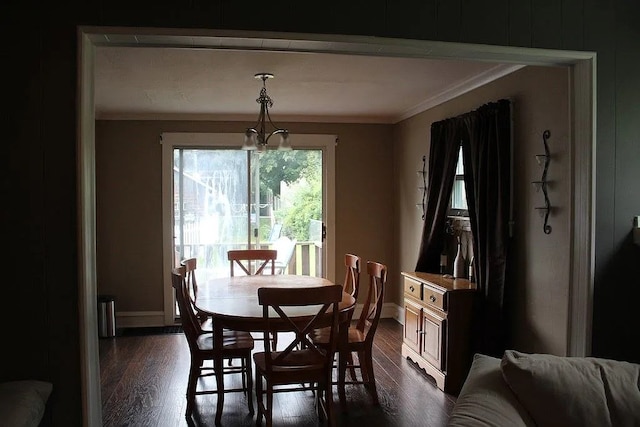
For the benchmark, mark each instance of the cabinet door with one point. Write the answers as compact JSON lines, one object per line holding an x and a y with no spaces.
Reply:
{"x":412,"y":326}
{"x":433,"y":329}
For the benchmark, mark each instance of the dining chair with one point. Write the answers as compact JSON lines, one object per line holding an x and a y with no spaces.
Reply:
{"x":190,"y":265}
{"x":290,"y":369}
{"x":350,"y":285}
{"x":263,"y":258}
{"x":351,"y":282}
{"x":360,"y":337}
{"x":245,"y":259}
{"x":203,"y":347}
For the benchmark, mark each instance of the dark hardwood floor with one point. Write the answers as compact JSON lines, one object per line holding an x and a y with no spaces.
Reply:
{"x":144,"y":379}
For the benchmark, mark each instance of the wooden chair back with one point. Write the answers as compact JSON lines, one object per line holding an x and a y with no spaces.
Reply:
{"x":190,"y":265}
{"x":188,"y":317}
{"x":279,"y":299}
{"x":244,"y":258}
{"x":372,"y":309}
{"x":351,"y":284}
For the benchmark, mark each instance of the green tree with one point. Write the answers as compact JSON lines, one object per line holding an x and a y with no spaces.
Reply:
{"x":306,"y":205}
{"x":302,"y":171}
{"x":282,"y":166}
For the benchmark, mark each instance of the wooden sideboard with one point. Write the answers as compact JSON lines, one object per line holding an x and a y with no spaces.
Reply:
{"x":437,"y":326}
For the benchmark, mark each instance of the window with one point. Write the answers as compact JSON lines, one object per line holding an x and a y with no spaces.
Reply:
{"x":458,"y":203}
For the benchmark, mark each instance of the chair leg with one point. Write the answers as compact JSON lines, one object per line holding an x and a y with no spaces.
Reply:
{"x":352,"y":370}
{"x":194,"y":371}
{"x":328,"y":400}
{"x":218,"y":367}
{"x":362,"y":361}
{"x":318,"y":401}
{"x":342,"y":373}
{"x":243,"y":370}
{"x":249,"y":373}
{"x":371,"y":380}
{"x":259,"y":398}
{"x":269,"y":408}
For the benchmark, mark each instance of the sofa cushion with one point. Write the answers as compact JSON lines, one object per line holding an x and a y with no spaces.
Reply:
{"x":574,"y":391}
{"x":486,"y":400}
{"x":22,"y":403}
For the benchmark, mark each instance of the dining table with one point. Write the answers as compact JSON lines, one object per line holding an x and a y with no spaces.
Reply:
{"x":232,"y":303}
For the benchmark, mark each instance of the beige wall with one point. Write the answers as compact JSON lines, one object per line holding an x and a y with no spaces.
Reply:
{"x":128,"y":190}
{"x":540,"y":276}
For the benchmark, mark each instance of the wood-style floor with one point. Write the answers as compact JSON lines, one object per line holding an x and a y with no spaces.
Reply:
{"x":144,"y":381}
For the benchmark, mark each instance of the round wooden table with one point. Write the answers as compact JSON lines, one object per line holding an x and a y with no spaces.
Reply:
{"x":232,"y":302}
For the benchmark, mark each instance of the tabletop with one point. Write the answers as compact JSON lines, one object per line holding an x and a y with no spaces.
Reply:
{"x":233,"y":301}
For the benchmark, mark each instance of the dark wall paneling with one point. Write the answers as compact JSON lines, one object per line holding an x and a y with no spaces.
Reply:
{"x":22,"y":227}
{"x":519,"y":25}
{"x":628,"y":136}
{"x":361,"y":17}
{"x":60,"y":207}
{"x":276,"y":15}
{"x":485,"y":22}
{"x":572,"y":13}
{"x":625,"y":277}
{"x":151,"y":13}
{"x":546,"y":23}
{"x":414,"y":19}
{"x":448,"y":20}
{"x":599,"y":23}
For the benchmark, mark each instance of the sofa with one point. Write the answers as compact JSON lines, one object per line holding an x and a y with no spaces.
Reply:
{"x":23,"y":403}
{"x":524,"y":389}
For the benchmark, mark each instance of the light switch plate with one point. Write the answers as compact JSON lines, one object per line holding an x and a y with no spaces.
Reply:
{"x":636,"y":230}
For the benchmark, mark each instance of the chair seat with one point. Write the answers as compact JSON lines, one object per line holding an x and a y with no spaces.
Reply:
{"x":235,"y":341}
{"x":321,"y":336}
{"x":302,"y":359}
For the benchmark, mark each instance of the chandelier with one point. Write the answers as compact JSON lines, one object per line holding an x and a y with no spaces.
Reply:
{"x":256,"y":137}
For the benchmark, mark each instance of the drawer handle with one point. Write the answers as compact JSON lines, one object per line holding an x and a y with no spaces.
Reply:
{"x":432,"y":298}
{"x":411,"y":288}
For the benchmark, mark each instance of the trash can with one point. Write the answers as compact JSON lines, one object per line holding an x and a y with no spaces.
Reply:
{"x":106,"y":316}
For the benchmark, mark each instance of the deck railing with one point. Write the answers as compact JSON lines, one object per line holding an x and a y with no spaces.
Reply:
{"x":306,"y":259}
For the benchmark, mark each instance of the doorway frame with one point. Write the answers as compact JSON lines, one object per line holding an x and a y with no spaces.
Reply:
{"x":583,"y":124}
{"x":170,"y":140}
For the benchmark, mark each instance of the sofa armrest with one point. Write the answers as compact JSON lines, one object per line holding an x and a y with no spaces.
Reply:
{"x":22,"y":403}
{"x":486,"y":400}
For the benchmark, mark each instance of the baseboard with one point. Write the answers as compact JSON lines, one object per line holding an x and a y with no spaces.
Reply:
{"x":389,"y":311}
{"x":139,"y":319}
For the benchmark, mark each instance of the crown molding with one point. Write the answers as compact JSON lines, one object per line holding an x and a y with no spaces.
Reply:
{"x":453,"y":91}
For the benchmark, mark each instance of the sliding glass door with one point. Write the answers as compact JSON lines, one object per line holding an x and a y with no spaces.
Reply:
{"x":232,"y":199}
{"x":218,"y":197}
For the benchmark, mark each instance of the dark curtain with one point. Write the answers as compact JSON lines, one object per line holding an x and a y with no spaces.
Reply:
{"x":485,"y":135}
{"x":445,"y":144}
{"x":486,"y":152}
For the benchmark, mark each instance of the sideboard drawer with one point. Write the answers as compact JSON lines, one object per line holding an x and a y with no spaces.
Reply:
{"x":413,"y":288}
{"x":433,"y":297}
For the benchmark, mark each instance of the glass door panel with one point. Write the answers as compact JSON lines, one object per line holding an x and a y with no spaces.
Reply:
{"x":234,"y":199}
{"x":210,"y":207}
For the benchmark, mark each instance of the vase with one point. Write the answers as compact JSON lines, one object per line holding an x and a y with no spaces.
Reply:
{"x":458,"y":263}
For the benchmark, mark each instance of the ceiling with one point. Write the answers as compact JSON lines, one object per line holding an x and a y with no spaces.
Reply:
{"x":161,"y":83}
